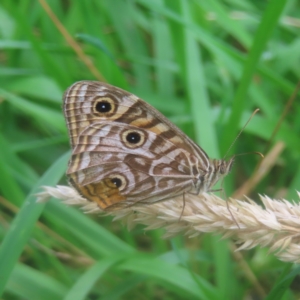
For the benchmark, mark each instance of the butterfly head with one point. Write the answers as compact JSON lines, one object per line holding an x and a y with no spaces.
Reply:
{"x":219,"y":169}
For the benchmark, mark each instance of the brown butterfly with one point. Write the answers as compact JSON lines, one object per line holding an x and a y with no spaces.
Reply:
{"x":125,"y":152}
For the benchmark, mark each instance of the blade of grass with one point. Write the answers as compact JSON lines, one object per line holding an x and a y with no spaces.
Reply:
{"x":22,"y":226}
{"x":35,"y":111}
{"x":27,"y":283}
{"x":87,"y":61}
{"x":283,"y":283}
{"x":163,"y":51}
{"x":118,"y":290}
{"x":98,"y":241}
{"x":8,"y":185}
{"x":84,"y":284}
{"x":167,"y":274}
{"x":218,"y":47}
{"x":196,"y":89}
{"x":50,"y":65}
{"x":129,"y":35}
{"x":266,"y":27}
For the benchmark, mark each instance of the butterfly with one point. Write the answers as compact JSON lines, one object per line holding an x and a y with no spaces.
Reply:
{"x":125,"y":152}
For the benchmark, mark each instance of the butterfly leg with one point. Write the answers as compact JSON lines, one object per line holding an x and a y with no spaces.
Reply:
{"x":183,"y":207}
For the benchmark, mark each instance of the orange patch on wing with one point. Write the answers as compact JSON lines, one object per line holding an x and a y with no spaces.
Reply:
{"x":141,"y":122}
{"x":104,"y":193}
{"x":159,"y":128}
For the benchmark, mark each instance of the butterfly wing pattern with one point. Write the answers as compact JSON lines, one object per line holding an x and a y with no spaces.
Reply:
{"x":125,"y":152}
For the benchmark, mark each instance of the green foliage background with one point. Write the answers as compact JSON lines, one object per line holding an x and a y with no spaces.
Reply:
{"x":206,"y":65}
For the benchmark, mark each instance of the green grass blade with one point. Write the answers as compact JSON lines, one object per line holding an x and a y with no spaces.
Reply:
{"x":82,"y":287}
{"x":197,"y":91}
{"x":266,"y":28}
{"x":27,"y":283}
{"x":35,"y":111}
{"x":21,"y":228}
{"x":178,"y":277}
{"x":283,"y":283}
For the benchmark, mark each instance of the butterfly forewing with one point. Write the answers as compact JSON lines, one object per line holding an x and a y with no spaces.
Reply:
{"x":80,"y":106}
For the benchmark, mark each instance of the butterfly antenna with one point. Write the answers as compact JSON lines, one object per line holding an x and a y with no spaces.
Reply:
{"x":245,"y":153}
{"x":253,"y":114}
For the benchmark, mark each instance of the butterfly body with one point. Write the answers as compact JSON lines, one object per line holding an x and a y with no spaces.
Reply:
{"x":126,"y":152}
